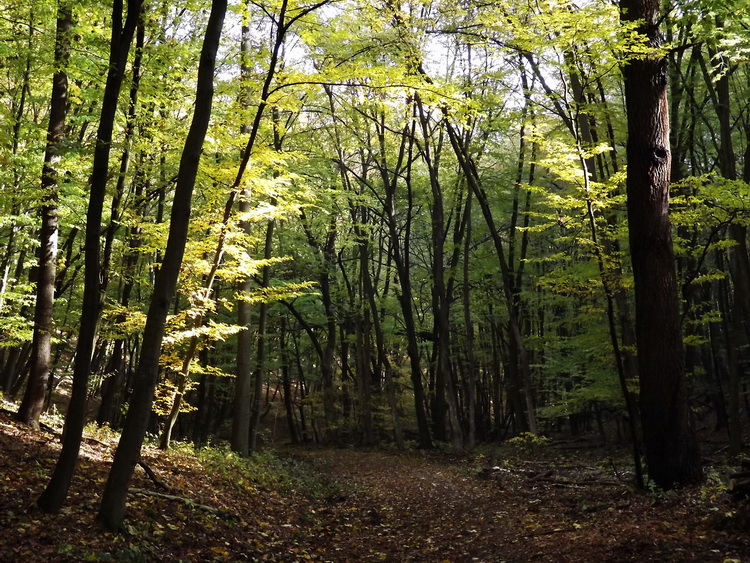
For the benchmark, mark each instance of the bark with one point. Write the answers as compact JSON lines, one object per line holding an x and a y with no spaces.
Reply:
{"x":33,"y":400}
{"x":112,"y":509}
{"x":671,"y":447}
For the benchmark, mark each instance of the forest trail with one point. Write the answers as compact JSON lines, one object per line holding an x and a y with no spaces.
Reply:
{"x":412,"y":507}
{"x":349,"y":505}
{"x":426,"y":507}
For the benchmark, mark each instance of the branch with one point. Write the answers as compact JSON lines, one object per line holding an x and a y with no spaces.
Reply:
{"x":153,"y":477}
{"x":217,"y":511}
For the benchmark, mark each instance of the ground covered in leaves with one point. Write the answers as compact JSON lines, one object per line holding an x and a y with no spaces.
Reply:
{"x":549,"y":503}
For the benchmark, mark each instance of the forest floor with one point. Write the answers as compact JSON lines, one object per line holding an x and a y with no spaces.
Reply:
{"x":560,"y":502}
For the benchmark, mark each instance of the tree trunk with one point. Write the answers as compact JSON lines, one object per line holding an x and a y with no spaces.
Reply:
{"x":671,"y":447}
{"x":241,"y":406}
{"x":33,"y":400}
{"x":242,"y":409}
{"x":122,"y":35}
{"x":471,"y":362}
{"x":445,"y":387}
{"x":287,"y":382}
{"x":112,"y":509}
{"x":261,"y":347}
{"x":401,"y":261}
{"x":519,"y":370}
{"x":112,"y":386}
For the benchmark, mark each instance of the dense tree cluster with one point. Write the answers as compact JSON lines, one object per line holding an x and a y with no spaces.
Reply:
{"x":367,"y":221}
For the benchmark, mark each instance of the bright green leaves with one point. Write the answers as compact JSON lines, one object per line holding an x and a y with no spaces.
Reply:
{"x":703,"y":207}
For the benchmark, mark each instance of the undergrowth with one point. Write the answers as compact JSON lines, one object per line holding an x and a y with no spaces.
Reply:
{"x":266,"y":469}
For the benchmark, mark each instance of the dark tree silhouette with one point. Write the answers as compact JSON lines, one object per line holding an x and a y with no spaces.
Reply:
{"x":671,"y":448}
{"x":112,"y":509}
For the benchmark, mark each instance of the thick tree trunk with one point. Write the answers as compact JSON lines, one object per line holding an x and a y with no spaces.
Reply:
{"x":33,"y":400}
{"x":671,"y":447}
{"x":112,"y":509}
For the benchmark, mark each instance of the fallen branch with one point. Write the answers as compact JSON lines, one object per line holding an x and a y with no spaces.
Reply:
{"x":188,"y":502}
{"x":153,"y":477}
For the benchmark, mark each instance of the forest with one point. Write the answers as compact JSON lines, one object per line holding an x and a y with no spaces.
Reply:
{"x":434,"y":226}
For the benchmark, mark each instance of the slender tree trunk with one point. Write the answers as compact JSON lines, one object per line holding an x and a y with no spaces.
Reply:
{"x":112,"y":509}
{"x":519,"y":376}
{"x":287,"y":382}
{"x":112,"y":386}
{"x":671,"y":447}
{"x":241,"y":404}
{"x":471,"y":362}
{"x":400,"y":260}
{"x":445,"y":391}
{"x":122,"y":35}
{"x":242,"y":408}
{"x":261,"y":346}
{"x":33,"y":400}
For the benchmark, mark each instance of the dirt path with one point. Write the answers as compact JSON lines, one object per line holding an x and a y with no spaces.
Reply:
{"x":413,"y":507}
{"x":348,"y":505}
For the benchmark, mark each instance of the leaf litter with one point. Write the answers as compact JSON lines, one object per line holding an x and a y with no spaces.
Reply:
{"x":325,"y":504}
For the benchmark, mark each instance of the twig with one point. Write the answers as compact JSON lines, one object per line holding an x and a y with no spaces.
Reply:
{"x":617,"y":473}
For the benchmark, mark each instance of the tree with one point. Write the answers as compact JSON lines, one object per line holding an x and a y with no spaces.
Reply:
{"x":36,"y":389}
{"x":112,"y":508}
{"x":671,"y":447}
{"x":122,"y":35}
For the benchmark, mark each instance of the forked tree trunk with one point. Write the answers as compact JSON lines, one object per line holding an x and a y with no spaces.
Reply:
{"x":671,"y":447}
{"x":401,"y":261}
